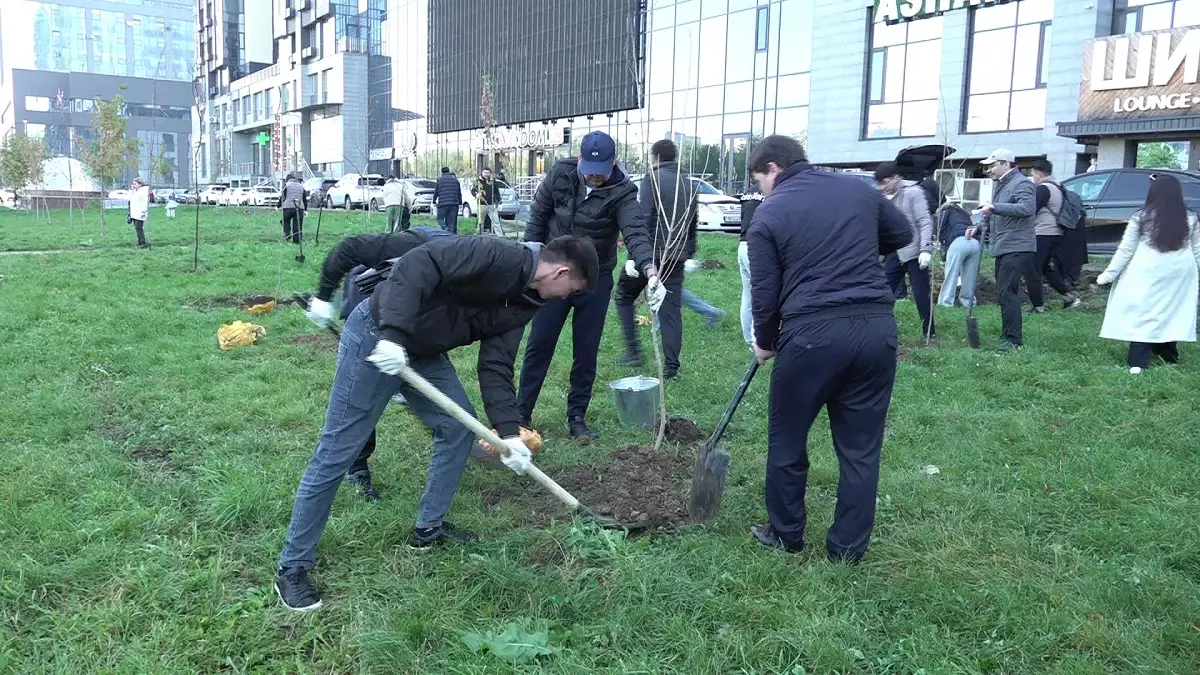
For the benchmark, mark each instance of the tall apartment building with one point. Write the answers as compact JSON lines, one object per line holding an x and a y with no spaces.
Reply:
{"x":290,"y":85}
{"x":58,"y":56}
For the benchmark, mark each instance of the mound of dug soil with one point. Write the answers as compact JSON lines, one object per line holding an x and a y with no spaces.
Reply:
{"x":712,"y":264}
{"x":638,"y":487}
{"x":234,"y":301}
{"x":682,"y":430}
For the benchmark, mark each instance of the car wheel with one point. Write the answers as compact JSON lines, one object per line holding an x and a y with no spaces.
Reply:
{"x":374,"y":204}
{"x":465,"y":211}
{"x":346,"y":204}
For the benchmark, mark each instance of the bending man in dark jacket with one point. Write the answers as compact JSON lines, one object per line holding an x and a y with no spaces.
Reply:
{"x":668,"y":204}
{"x":590,"y":197}
{"x":352,"y":257}
{"x":823,"y":310}
{"x":448,"y":293}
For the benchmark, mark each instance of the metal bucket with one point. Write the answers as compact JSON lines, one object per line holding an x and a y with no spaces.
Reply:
{"x":637,"y":400}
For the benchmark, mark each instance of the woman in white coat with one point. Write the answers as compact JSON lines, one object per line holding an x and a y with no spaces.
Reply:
{"x":1156,"y":268}
{"x":139,"y":209}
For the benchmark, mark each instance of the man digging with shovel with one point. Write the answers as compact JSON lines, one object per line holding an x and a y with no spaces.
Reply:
{"x":447,"y":293}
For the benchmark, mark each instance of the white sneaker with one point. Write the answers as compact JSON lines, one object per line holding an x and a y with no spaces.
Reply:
{"x":398,"y":399}
{"x":1135,"y":371}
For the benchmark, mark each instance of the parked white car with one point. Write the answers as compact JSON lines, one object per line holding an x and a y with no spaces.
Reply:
{"x":718,"y":211}
{"x":120,"y":195}
{"x":354,"y":191}
{"x":264,"y":195}
{"x":239,"y":196}
{"x":210,"y":194}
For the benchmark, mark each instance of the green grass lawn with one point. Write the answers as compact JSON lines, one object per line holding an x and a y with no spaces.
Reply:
{"x":146,"y":480}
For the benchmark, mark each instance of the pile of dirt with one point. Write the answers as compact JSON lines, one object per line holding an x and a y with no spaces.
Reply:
{"x":682,"y":430}
{"x":641,"y":489}
{"x":712,"y":264}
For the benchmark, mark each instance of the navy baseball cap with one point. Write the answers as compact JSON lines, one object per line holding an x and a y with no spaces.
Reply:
{"x":597,"y":154}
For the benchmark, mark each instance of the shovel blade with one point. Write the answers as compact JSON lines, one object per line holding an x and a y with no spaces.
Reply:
{"x":973,"y":332}
{"x":708,"y":484}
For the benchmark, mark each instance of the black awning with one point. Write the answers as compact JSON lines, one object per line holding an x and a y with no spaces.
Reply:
{"x":1098,"y":128}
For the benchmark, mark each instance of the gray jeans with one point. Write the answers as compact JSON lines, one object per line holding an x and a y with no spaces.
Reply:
{"x":962,"y":260}
{"x":360,"y":395}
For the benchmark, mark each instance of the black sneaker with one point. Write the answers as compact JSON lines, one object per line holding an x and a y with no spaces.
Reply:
{"x":579,"y":430}
{"x":363,"y":480}
{"x":296,"y":590}
{"x":423,"y":538}
{"x":766,"y":535}
{"x":630,"y":360}
{"x":1007,"y":347}
{"x":671,"y":373}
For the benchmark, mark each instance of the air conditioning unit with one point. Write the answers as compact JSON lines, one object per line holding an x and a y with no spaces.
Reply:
{"x":976,"y":192}
{"x":950,"y":182}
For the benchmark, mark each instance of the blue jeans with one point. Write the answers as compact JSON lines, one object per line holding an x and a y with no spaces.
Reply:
{"x":697,"y":304}
{"x":360,"y":395}
{"x":962,"y":260}
{"x":447,"y":218}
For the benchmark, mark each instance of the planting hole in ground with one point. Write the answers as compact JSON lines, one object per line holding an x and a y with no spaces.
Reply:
{"x":233,"y":301}
{"x":635,"y":486}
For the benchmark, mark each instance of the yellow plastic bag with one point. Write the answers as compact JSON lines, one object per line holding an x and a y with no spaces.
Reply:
{"x":260,"y":309}
{"x":238,"y":334}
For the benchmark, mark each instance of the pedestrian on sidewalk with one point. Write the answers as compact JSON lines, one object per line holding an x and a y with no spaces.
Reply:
{"x":1156,"y":268}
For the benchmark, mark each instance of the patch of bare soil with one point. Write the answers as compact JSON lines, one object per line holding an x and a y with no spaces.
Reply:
{"x":682,"y":430}
{"x":152,"y":455}
{"x":712,"y":264}
{"x":639,"y":488}
{"x":323,"y":340}
{"x":234,"y":301}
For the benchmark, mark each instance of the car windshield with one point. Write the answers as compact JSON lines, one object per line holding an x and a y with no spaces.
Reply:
{"x":376,"y":182}
{"x":705,"y":188}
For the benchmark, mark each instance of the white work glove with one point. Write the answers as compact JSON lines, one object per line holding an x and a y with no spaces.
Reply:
{"x":690,"y":265}
{"x":519,"y":457}
{"x":631,"y":269}
{"x":923,"y":260}
{"x":1105,"y":278}
{"x":389,"y":357}
{"x":319,"y":312}
{"x":656,"y":292}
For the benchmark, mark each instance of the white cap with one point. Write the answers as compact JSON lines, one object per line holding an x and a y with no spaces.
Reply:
{"x":1000,"y":155}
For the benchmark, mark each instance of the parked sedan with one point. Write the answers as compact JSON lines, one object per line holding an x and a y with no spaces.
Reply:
{"x":212,"y":194}
{"x":1111,"y":197}
{"x":264,"y":195}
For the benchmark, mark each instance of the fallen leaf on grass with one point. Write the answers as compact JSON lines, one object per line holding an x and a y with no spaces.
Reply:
{"x":514,"y":644}
{"x":642,"y":320}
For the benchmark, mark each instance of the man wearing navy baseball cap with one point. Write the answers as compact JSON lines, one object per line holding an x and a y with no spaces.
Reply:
{"x":590,"y":197}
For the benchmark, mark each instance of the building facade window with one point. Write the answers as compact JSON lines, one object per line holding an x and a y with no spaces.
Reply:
{"x":762,"y":27}
{"x":903,"y":79}
{"x":1009,"y":59}
{"x":1136,"y":16}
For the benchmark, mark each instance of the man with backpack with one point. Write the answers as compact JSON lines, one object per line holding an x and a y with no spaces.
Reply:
{"x":1057,"y":210}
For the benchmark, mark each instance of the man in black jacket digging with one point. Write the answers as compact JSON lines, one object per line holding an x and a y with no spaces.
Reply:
{"x":591,"y":197}
{"x":354,"y":256}
{"x":823,"y":311}
{"x":669,"y":208}
{"x":448,"y":293}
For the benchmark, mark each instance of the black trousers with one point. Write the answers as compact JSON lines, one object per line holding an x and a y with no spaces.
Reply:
{"x":1140,"y":353}
{"x":587,"y":327}
{"x":1010,"y":267}
{"x":921,"y":280}
{"x":293,"y":225}
{"x":1072,"y":255}
{"x":670,"y":316}
{"x":139,"y":226}
{"x":1045,"y":265}
{"x":447,"y":217}
{"x":893,"y":269}
{"x":368,"y":449}
{"x":848,"y":366}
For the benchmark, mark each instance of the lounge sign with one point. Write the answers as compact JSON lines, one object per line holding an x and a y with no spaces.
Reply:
{"x":892,"y":11}
{"x":1142,"y":75}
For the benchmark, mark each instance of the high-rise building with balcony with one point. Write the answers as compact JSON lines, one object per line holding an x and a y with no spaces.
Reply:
{"x":58,"y":56}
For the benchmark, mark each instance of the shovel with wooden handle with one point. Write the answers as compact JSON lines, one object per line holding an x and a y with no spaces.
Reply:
{"x":456,"y":411}
{"x":708,"y":480}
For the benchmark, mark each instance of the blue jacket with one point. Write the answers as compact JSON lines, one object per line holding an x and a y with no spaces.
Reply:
{"x":814,"y":250}
{"x":448,"y":192}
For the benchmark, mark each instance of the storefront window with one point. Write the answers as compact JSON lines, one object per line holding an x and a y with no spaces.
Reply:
{"x":903,"y":79}
{"x":1009,"y":52}
{"x":1136,"y":16}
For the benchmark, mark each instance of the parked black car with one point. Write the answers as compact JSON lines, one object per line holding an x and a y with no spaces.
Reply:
{"x":1111,"y":196}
